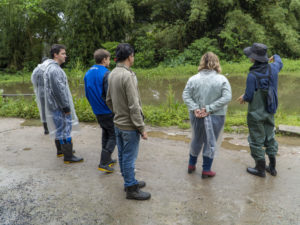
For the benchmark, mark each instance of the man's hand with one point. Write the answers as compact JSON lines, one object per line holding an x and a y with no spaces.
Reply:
{"x":271,"y":59}
{"x":241,"y":99}
{"x":144,"y":135}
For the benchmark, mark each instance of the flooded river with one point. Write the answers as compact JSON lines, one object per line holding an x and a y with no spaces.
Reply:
{"x":154,"y":92}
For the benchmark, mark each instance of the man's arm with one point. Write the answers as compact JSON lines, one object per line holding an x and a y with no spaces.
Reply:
{"x":105,"y":85}
{"x":277,"y":62}
{"x":133,"y":103}
{"x":250,"y":88}
{"x":59,"y":87}
{"x":108,"y":100}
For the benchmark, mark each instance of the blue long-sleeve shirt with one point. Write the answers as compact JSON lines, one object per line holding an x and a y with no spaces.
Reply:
{"x":93,"y":85}
{"x":252,"y":82}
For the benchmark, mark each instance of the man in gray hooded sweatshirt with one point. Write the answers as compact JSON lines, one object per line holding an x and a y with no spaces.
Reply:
{"x":60,"y":113}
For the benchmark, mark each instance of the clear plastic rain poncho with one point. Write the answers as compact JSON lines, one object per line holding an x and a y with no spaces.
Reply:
{"x":207,"y":134}
{"x":211,"y":91}
{"x":60,"y":113}
{"x":37,"y":80}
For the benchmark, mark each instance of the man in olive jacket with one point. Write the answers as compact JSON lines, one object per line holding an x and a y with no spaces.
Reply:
{"x":124,"y":101}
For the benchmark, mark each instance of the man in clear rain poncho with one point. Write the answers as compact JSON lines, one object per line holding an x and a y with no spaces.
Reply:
{"x":206,"y":95}
{"x":37,"y":80}
{"x":60,"y":113}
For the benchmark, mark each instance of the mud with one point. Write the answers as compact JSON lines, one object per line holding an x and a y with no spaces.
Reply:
{"x":38,"y":188}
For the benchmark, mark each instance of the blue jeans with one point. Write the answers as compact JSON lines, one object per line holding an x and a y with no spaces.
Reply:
{"x":128,"y":148}
{"x":63,"y":124}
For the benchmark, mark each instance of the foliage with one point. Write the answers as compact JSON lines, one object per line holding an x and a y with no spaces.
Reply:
{"x":24,"y":27}
{"x":144,"y":52}
{"x":240,"y":30}
{"x":171,"y":113}
{"x":88,"y":24}
{"x":193,"y":53}
{"x":169,"y":32}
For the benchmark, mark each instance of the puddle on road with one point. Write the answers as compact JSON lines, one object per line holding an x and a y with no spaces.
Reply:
{"x":163,"y":135}
{"x":231,"y":146}
{"x":228,"y":142}
{"x":289,"y":140}
{"x":32,"y":122}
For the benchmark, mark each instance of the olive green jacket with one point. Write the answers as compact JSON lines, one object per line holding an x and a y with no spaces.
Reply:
{"x":123,"y":99}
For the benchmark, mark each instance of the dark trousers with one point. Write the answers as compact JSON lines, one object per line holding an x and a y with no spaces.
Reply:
{"x":106,"y":122}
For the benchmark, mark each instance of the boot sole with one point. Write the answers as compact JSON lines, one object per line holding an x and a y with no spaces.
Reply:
{"x":140,"y":199}
{"x":105,"y":170}
{"x":258,"y":175}
{"x":69,"y":162}
{"x":273,"y":174}
{"x":206,"y":176}
{"x":60,"y":155}
{"x":191,"y":171}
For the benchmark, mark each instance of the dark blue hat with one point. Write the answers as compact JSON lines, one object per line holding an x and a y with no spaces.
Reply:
{"x":258,"y":52}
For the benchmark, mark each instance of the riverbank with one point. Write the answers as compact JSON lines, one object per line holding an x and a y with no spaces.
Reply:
{"x":36,"y":187}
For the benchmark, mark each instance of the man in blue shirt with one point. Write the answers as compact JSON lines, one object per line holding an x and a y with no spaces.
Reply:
{"x":261,"y":94}
{"x":93,"y":84}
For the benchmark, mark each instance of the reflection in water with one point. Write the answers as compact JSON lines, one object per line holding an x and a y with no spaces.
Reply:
{"x":154,"y":92}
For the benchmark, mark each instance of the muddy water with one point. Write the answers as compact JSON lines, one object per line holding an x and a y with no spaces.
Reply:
{"x":155,"y":92}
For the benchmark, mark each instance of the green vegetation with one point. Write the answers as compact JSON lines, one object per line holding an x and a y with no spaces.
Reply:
{"x":165,"y":33}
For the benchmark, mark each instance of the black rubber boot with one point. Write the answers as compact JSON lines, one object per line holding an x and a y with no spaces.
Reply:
{"x":105,"y":162}
{"x":46,"y":131}
{"x":58,"y":148}
{"x":68,"y":154}
{"x":141,"y":184}
{"x":134,"y":192}
{"x":271,"y":168}
{"x":259,"y":169}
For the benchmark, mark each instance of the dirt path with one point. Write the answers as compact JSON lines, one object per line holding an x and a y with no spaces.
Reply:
{"x":38,"y":188}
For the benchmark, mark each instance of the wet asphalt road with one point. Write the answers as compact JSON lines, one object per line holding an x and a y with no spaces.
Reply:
{"x":38,"y":188}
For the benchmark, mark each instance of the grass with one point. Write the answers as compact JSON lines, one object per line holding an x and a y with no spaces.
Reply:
{"x":170,"y":113}
{"x":6,"y":78}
